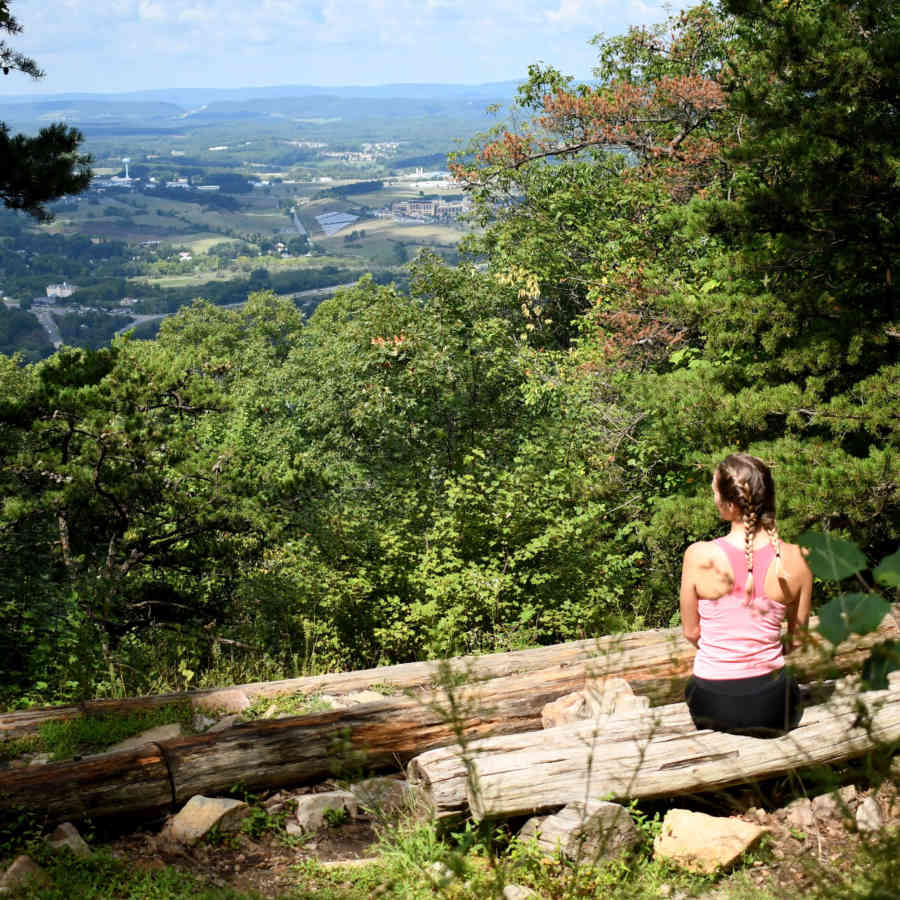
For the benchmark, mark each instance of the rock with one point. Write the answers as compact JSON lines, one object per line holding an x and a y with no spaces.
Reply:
{"x":439,"y":873}
{"x":564,"y":710}
{"x":201,"y":722}
{"x":230,"y":701}
{"x":201,"y":814}
{"x":589,"y":831}
{"x":225,"y":723}
{"x":24,"y":870}
{"x":702,"y":843}
{"x":160,"y":733}
{"x":849,"y":794}
{"x":356,"y":863}
{"x":271,"y":712}
{"x":868,"y":816}
{"x":331,"y":701}
{"x":826,"y":805}
{"x":41,"y":759}
{"x":517,"y":892}
{"x":66,"y":835}
{"x":799,"y":814}
{"x":358,"y":697}
{"x":311,"y":808}
{"x":384,"y":797}
{"x":612,"y":696}
{"x":293,"y":829}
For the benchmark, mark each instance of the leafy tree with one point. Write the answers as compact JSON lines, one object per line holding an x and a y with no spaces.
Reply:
{"x":36,"y":170}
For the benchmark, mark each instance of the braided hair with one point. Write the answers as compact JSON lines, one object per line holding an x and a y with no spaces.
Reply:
{"x":746,"y":481}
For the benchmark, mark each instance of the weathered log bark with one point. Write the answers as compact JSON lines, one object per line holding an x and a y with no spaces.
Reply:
{"x":655,"y":663}
{"x":133,"y":781}
{"x":540,"y":779}
{"x":293,"y":750}
{"x":441,"y":776}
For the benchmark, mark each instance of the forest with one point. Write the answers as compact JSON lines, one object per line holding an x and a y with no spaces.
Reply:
{"x":690,"y":255}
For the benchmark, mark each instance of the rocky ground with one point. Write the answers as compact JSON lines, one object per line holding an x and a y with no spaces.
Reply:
{"x":810,"y":839}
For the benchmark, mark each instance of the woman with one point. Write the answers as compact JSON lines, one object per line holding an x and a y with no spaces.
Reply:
{"x":736,"y":593}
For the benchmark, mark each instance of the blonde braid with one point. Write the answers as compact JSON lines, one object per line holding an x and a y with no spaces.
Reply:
{"x":774,"y":537}
{"x":748,"y":515}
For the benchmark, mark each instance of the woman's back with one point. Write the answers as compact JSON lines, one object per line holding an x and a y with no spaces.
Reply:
{"x":740,"y":636}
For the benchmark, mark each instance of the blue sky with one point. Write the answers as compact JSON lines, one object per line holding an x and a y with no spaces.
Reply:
{"x":122,"y":45}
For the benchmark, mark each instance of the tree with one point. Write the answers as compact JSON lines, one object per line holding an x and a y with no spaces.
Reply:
{"x":36,"y":170}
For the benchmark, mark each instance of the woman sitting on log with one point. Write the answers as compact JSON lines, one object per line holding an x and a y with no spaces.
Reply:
{"x":736,"y":592}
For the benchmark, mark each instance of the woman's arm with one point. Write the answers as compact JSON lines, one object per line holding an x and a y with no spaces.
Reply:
{"x":690,"y":615}
{"x":801,"y":582}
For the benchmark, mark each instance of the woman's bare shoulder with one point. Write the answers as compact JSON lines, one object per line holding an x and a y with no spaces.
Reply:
{"x":701,"y":550}
{"x":793,"y":558}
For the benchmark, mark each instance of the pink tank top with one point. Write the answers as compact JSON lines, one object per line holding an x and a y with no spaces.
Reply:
{"x":740,"y":638}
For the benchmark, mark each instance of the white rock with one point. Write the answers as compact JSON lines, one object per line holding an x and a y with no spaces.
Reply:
{"x":612,"y":696}
{"x":384,"y":797}
{"x":201,"y":722}
{"x":800,"y":813}
{"x":517,"y":892}
{"x":311,"y":808}
{"x":230,"y":701}
{"x":358,"y":697}
{"x":293,"y":829}
{"x":702,"y":843}
{"x":225,"y":723}
{"x":66,"y":835}
{"x":439,"y":873}
{"x":160,"y":733}
{"x":41,"y":759}
{"x":826,"y":805}
{"x":849,"y":795}
{"x":201,"y":814}
{"x":564,"y":710}
{"x":868,"y":816}
{"x":24,"y":870}
{"x":585,"y":831}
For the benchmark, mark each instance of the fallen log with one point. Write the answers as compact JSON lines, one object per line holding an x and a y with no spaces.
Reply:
{"x":277,"y":752}
{"x":655,"y":663}
{"x":135,"y":782}
{"x":441,"y":777}
{"x":530,"y":781}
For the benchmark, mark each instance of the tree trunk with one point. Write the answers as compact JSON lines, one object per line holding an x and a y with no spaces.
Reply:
{"x":655,"y":664}
{"x":132,"y":782}
{"x":542,"y":778}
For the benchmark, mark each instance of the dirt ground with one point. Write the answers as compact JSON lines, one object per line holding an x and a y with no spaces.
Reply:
{"x":805,"y":842}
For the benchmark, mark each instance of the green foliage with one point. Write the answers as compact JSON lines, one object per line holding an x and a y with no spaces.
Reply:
{"x":834,"y":559}
{"x":36,"y":170}
{"x":85,"y":734}
{"x":104,"y":875}
{"x":334,"y":818}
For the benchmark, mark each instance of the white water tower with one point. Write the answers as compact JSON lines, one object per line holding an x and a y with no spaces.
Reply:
{"x":126,"y":160}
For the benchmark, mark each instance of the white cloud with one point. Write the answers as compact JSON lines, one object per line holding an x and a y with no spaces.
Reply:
{"x":311,"y":41}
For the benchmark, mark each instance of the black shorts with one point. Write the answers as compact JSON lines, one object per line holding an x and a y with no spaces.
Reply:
{"x":764,"y":706}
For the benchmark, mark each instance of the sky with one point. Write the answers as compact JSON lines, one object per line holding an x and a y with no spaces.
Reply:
{"x":125,"y":45}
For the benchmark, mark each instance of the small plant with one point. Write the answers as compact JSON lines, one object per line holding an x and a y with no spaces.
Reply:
{"x":835,"y":560}
{"x":19,"y":747}
{"x":336,"y":817}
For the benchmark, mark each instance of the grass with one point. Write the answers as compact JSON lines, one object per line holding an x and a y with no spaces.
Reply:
{"x":103,"y":876}
{"x":286,"y":705}
{"x":94,"y":733}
